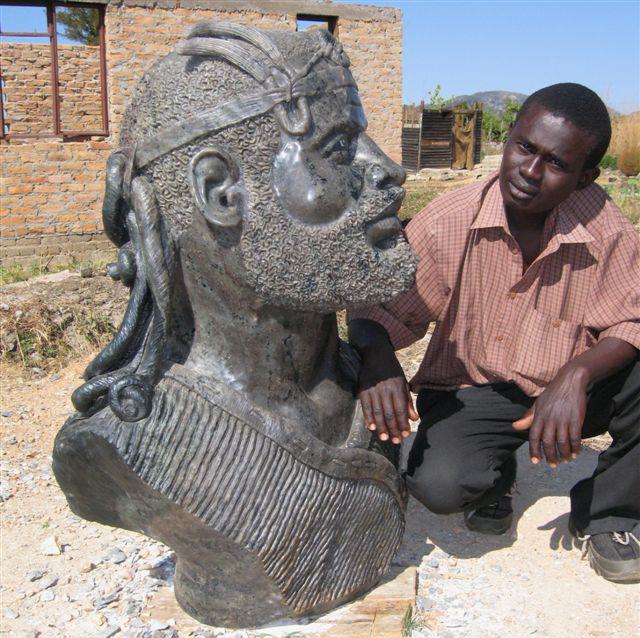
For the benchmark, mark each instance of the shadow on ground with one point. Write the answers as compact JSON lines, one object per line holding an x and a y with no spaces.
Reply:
{"x":424,"y":530}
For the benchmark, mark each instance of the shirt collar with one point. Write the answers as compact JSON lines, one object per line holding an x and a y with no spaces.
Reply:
{"x":563,"y":222}
{"x":491,"y":213}
{"x":568,"y":229}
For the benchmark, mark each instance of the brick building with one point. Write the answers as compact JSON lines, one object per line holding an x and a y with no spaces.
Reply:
{"x":55,"y":143}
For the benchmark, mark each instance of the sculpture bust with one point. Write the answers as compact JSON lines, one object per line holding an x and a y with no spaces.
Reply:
{"x":249,"y":205}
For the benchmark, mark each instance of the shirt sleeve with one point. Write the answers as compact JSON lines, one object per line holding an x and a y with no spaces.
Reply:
{"x":614,"y":308}
{"x":407,"y":316}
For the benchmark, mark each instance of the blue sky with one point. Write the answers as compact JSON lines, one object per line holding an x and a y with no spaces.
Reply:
{"x":520,"y":46}
{"x":469,"y":46}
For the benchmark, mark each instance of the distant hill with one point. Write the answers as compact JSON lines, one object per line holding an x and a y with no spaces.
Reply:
{"x":496,"y":100}
{"x":492,"y":100}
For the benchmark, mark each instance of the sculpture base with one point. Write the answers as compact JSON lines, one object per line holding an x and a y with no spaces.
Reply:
{"x":265,"y":524}
{"x":210,"y":569}
{"x":381,"y":613}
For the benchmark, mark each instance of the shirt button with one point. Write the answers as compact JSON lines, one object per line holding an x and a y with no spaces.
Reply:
{"x":499,"y":338}
{"x":514,"y":250}
{"x":512,"y":295}
{"x":556,"y":323}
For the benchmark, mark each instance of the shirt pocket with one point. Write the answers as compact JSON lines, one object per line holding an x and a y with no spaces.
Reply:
{"x":544,"y":344}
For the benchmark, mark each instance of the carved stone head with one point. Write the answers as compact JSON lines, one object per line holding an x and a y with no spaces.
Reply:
{"x":245,"y":173}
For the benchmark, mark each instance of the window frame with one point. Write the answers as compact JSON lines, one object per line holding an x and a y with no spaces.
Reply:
{"x":52,"y":34}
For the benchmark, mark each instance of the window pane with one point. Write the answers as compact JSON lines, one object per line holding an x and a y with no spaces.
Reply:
{"x":78,"y":25}
{"x":27,"y":88}
{"x":79,"y":68}
{"x":319,"y":23}
{"x":23,"y":19}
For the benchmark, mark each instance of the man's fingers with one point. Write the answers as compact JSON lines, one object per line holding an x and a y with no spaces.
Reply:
{"x":413,"y":413}
{"x":562,"y":440}
{"x":534,"y":442}
{"x":388,"y":405}
{"x":525,"y":421}
{"x":378,"y":415}
{"x":402,"y":417}
{"x":367,"y":411}
{"x":575,"y":439}
{"x":386,"y":408}
{"x":549,"y":444}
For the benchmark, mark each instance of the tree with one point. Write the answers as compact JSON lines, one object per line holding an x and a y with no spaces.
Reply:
{"x":436,"y":101}
{"x":80,"y":24}
{"x":497,"y":124}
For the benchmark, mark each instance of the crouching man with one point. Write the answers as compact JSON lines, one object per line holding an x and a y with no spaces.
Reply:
{"x":532,"y":278}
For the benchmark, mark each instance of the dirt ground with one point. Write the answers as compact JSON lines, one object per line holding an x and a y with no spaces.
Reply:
{"x":99,"y":580}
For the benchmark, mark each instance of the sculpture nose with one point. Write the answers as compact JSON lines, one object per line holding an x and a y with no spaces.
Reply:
{"x":380,"y":170}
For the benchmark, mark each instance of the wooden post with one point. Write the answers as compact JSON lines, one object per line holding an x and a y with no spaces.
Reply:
{"x":420,"y":114}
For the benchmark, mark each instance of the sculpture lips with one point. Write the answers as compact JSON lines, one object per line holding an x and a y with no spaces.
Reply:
{"x":383,"y":232}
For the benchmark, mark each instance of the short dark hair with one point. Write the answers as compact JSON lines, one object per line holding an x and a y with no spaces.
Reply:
{"x":579,"y":105}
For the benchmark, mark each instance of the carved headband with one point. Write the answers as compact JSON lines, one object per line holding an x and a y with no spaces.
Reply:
{"x":283,"y":83}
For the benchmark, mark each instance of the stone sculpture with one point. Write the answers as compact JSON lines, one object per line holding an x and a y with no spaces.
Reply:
{"x":249,"y":205}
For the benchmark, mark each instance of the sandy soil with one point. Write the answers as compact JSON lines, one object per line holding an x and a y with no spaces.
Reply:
{"x":529,"y":582}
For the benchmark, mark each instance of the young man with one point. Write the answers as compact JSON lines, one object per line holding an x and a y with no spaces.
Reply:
{"x":532,"y":278}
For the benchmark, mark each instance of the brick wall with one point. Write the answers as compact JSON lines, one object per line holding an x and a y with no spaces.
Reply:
{"x":26,"y":74}
{"x":375,"y":50}
{"x":51,"y":189}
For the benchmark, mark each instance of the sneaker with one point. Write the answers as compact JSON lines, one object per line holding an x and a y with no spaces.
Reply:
{"x":494,"y":519}
{"x":615,"y":555}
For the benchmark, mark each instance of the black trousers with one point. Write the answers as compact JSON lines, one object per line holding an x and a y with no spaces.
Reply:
{"x":462,"y":456}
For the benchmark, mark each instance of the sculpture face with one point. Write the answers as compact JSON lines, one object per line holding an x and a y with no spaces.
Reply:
{"x":314,"y":178}
{"x":329,"y":237}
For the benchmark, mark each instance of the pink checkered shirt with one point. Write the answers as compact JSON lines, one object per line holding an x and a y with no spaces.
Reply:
{"x":492,"y":322}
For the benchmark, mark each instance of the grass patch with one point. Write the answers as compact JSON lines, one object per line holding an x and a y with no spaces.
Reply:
{"x":409,"y":623}
{"x":419,"y":194}
{"x":608,"y":161}
{"x":626,"y":194}
{"x":33,"y":334}
{"x":18,"y":272}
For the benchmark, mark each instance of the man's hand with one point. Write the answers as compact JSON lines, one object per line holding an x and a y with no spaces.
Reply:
{"x":382,"y":387}
{"x":387,"y":407}
{"x":555,"y":420}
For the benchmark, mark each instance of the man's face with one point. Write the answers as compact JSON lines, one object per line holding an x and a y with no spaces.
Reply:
{"x":543,"y":162}
{"x":327,"y":235}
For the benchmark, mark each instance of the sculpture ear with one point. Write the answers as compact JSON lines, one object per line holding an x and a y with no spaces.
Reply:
{"x":214,"y":177}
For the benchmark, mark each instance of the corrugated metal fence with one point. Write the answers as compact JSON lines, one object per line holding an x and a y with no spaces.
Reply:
{"x":428,"y":136}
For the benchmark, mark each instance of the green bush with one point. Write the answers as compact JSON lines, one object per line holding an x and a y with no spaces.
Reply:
{"x":608,"y":161}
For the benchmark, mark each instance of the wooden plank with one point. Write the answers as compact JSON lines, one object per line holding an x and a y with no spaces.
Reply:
{"x":378,"y":614}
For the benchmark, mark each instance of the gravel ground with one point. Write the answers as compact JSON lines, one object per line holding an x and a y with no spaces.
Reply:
{"x":65,"y":577}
